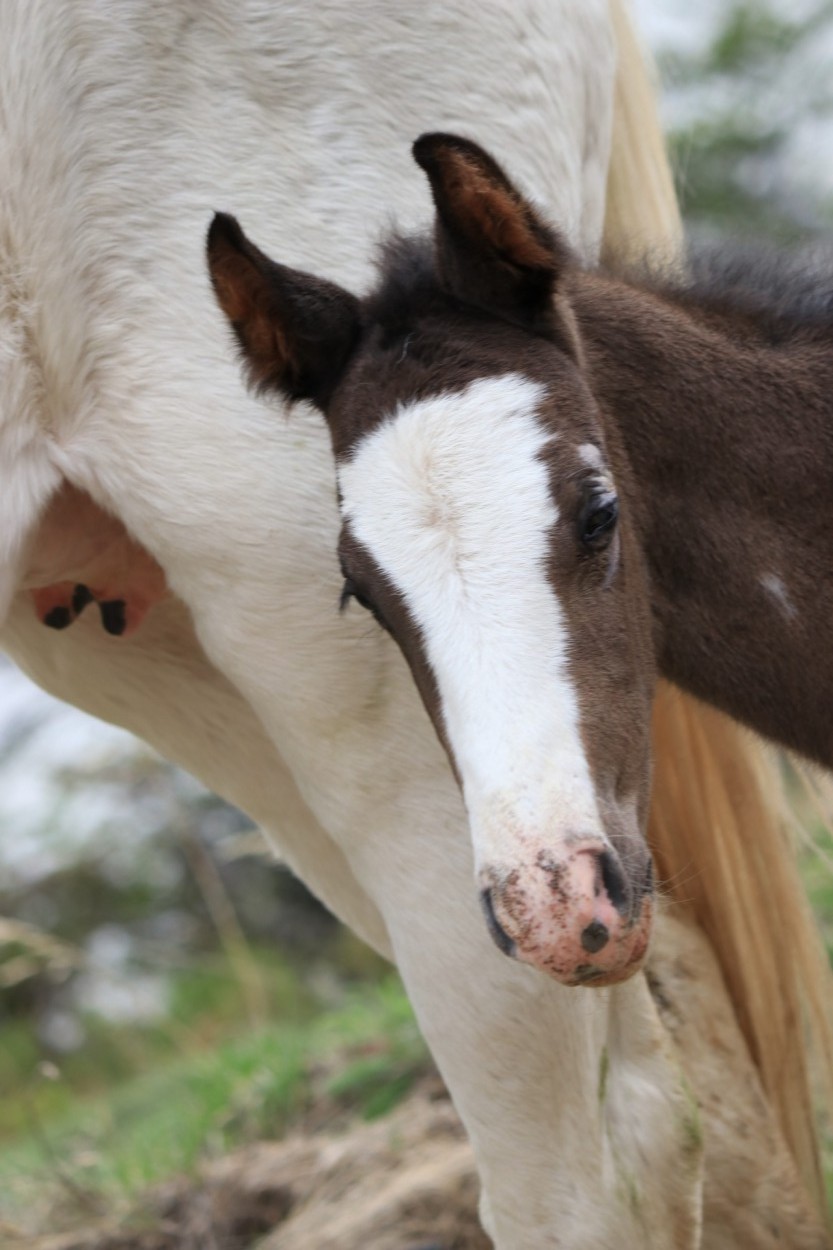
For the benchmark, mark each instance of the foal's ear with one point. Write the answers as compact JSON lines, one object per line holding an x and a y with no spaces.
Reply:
{"x":296,"y":331}
{"x":493,"y":249}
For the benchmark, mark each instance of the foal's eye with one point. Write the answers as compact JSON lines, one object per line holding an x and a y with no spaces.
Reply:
{"x":598,"y":521}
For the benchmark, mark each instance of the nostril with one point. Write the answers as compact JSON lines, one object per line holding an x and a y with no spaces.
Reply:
{"x":648,"y":883}
{"x":501,"y":938}
{"x":613,"y":880}
{"x":595,"y":937}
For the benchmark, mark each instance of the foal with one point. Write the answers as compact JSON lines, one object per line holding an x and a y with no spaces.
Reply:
{"x":547,"y":478}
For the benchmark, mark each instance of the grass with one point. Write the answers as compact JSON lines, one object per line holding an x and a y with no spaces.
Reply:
{"x":205,"y":1006}
{"x":95,"y":1151}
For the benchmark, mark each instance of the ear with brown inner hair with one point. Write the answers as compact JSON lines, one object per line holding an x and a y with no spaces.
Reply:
{"x":296,"y":331}
{"x":493,"y":249}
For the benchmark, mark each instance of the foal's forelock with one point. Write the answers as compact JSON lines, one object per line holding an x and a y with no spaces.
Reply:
{"x":452,"y":500}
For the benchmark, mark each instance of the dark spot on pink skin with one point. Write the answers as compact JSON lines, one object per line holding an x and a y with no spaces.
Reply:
{"x":595,"y":937}
{"x":58,"y":618}
{"x":113,"y":616}
{"x":81,"y":597}
{"x":83,"y":554}
{"x":555,"y":870}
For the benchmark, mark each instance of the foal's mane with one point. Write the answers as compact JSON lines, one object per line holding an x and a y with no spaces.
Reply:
{"x":406,"y":286}
{"x":777,"y":292}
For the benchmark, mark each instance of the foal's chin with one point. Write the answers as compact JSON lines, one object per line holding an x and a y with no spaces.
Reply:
{"x":621,"y":958}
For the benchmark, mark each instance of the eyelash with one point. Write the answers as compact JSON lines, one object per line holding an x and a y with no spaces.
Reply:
{"x":597,"y":537}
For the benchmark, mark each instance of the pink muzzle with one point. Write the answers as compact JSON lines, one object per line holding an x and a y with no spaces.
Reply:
{"x":574,"y":917}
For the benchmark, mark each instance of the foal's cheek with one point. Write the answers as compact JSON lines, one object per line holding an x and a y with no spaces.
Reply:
{"x":614,"y":678}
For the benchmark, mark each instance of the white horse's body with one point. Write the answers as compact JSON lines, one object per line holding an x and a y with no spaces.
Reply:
{"x":122,"y":127}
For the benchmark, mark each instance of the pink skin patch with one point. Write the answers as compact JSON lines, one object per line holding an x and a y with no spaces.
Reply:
{"x":545,"y":909}
{"x":83,"y":555}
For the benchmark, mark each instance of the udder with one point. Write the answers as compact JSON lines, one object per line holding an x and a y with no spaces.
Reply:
{"x":82,"y":556}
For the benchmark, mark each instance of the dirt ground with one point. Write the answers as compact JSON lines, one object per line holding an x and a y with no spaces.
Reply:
{"x":405,"y":1182}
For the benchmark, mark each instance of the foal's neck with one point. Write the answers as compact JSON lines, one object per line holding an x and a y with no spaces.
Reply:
{"x":726,"y":418}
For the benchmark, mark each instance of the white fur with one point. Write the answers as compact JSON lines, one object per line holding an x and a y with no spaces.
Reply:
{"x":776,"y":588}
{"x":122,"y":127}
{"x":591,"y":455}
{"x":452,"y":500}
{"x":29,"y":477}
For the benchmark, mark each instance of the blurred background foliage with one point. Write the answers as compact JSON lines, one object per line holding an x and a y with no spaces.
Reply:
{"x":162,"y":977}
{"x":748,"y":98}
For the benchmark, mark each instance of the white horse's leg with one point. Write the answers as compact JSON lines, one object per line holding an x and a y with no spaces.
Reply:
{"x":579,"y":1117}
{"x":752,"y":1195}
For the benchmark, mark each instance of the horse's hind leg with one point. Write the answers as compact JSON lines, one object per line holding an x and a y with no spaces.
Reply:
{"x":752,"y":1197}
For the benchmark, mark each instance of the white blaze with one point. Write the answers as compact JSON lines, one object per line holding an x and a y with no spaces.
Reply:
{"x":452,"y":500}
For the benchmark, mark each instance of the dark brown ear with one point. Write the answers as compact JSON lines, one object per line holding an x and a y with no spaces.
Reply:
{"x":493,"y":249}
{"x":296,"y":331}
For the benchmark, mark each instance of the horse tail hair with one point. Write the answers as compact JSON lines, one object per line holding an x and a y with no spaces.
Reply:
{"x":718,"y":826}
{"x":641,"y":210}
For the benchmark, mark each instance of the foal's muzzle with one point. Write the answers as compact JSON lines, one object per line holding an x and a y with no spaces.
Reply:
{"x":576,"y":917}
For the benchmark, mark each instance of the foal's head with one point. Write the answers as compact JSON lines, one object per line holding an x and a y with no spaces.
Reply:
{"x":483,"y":529}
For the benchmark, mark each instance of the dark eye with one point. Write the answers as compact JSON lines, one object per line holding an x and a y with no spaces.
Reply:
{"x":598,"y":521}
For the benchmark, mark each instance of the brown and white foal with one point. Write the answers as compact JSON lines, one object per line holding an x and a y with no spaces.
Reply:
{"x":486,"y":526}
{"x":548,"y":476}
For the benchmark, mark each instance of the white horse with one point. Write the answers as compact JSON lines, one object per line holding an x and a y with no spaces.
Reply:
{"x":137,"y":472}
